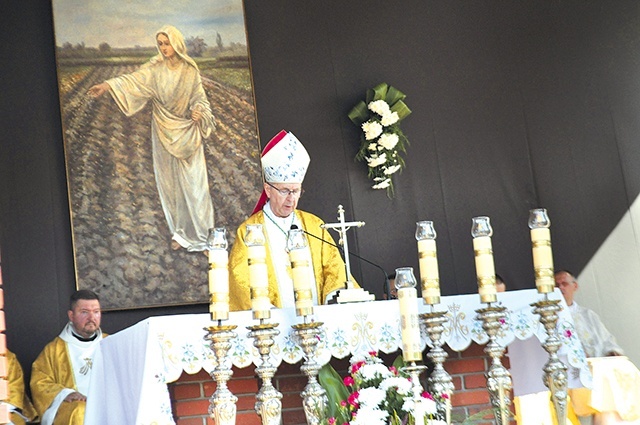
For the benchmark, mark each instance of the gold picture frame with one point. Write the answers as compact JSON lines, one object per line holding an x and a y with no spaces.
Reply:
{"x":127,"y":245}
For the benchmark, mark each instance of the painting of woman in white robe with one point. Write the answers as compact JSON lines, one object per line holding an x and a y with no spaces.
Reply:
{"x":181,"y":120}
{"x":160,"y":142}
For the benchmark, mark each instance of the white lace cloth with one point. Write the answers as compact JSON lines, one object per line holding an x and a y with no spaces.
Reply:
{"x":132,"y":367}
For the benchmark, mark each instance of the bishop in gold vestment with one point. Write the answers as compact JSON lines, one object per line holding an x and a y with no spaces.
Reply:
{"x":284,"y":163}
{"x":328,"y":266}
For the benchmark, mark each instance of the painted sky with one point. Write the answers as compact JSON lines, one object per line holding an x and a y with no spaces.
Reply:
{"x":129,"y":23}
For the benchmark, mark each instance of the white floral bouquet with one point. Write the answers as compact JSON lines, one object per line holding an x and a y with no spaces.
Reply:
{"x":374,"y":394}
{"x":382,"y":140}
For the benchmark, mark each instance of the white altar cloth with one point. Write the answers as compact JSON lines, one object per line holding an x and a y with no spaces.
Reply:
{"x":132,"y":367}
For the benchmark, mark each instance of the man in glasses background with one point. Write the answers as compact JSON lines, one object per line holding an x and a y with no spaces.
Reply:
{"x":284,"y":164}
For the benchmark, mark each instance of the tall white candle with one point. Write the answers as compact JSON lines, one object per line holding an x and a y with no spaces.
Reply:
{"x":485,"y":269}
{"x":542,"y":259}
{"x":300,"y":273}
{"x":410,"y":326}
{"x":219,"y":284}
{"x":429,"y":274}
{"x":259,"y":282}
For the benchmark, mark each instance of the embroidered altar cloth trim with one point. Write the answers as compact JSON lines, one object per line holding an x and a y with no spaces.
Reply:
{"x":132,"y":367}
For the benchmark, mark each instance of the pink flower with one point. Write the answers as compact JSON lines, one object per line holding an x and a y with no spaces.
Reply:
{"x":445,"y":396}
{"x":393,"y":370}
{"x":348,"y":381}
{"x":373,"y":353}
{"x":355,"y":367}
{"x":353,"y":399}
{"x":332,"y":421}
{"x":568,"y":333}
{"x":343,"y":403}
{"x":425,"y":394}
{"x":502,"y":321}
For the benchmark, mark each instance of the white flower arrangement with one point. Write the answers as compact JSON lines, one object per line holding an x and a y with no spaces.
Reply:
{"x":374,"y":394}
{"x":382,"y":140}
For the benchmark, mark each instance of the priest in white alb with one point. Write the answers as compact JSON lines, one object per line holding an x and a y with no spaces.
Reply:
{"x":61,"y":373}
{"x":284,"y":164}
{"x":614,"y":398}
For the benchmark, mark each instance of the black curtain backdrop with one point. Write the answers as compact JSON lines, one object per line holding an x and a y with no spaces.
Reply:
{"x":516,"y":105}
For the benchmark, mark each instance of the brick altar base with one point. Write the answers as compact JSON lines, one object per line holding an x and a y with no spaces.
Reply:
{"x":190,"y":394}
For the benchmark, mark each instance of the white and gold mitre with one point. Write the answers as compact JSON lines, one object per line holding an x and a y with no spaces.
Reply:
{"x":284,"y":159}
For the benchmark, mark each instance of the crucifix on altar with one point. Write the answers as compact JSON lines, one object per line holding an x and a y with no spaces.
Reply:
{"x":351,"y":293}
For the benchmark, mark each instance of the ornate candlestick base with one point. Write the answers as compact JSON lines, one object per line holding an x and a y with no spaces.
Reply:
{"x":414,"y":371}
{"x":222,"y":407}
{"x":439,"y":382}
{"x":314,"y":396}
{"x":555,"y":372}
{"x":498,"y":377}
{"x":268,"y":400}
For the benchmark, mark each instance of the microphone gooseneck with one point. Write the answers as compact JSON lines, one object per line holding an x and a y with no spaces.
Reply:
{"x":386,"y":276}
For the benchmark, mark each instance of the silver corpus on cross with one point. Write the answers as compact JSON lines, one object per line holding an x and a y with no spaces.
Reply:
{"x":351,"y":293}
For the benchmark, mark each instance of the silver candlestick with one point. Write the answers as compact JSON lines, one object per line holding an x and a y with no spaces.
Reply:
{"x":314,"y":396}
{"x":414,"y":370}
{"x":498,"y":377}
{"x":222,"y":407}
{"x":555,"y":372}
{"x":268,"y":400}
{"x":439,"y":382}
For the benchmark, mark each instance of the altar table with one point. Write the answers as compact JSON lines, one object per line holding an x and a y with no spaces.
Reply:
{"x":132,"y":368}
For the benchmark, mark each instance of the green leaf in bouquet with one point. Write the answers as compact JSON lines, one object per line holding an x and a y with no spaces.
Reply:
{"x":402,"y":109}
{"x":393,"y":96}
{"x":379,"y":92}
{"x":398,"y":363}
{"x":359,"y":113}
{"x":335,"y":389}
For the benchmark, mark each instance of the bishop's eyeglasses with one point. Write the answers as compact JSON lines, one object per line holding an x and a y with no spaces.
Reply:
{"x":296,"y":193}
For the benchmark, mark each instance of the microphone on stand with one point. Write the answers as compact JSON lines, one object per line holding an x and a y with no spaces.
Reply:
{"x":386,"y":276}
